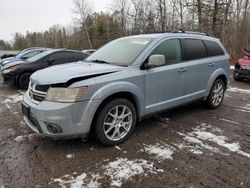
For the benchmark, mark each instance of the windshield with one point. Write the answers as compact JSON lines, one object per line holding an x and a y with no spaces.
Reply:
{"x":121,"y":52}
{"x":39,"y":56}
{"x":20,"y":55}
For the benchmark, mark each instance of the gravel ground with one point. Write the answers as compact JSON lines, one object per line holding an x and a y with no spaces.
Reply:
{"x":190,"y":146}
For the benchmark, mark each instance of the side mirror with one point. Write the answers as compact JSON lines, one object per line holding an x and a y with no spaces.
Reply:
{"x":24,"y":57}
{"x":51,"y":60}
{"x":156,"y":61}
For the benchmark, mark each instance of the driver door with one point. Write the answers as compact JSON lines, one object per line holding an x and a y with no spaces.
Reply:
{"x":165,"y":84}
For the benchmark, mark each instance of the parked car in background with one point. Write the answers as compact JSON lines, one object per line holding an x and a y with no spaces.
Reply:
{"x":25,"y":54}
{"x":123,"y":82}
{"x":89,"y":51}
{"x":4,"y":56}
{"x":19,"y":74}
{"x":242,"y":68}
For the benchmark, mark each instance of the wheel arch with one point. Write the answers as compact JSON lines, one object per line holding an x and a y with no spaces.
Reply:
{"x":219,"y":74}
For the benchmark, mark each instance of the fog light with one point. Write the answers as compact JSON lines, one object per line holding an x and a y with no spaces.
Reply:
{"x":53,"y":128}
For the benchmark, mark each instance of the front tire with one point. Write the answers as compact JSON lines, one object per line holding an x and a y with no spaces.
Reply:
{"x":115,"y":122}
{"x":216,"y":95}
{"x":23,"y":80}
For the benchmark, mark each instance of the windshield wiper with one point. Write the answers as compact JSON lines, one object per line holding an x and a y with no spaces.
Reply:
{"x":100,"y":61}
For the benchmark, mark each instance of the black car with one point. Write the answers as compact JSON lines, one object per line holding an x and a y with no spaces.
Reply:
{"x":7,"y":56}
{"x":19,"y":74}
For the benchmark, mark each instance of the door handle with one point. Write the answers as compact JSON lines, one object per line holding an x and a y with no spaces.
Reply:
{"x":211,"y":64}
{"x":182,"y":70}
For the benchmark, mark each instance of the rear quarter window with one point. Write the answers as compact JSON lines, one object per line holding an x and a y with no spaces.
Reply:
{"x":194,"y":49}
{"x":213,"y":48}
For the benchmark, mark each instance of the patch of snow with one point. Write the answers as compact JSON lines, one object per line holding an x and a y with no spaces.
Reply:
{"x":227,"y":95}
{"x":123,"y":169}
{"x":117,"y":171}
{"x":159,"y":151}
{"x":221,"y":141}
{"x":24,"y":137}
{"x":12,"y":99}
{"x":242,"y":110}
{"x":69,"y":156}
{"x":78,"y":181}
{"x":195,"y":145}
{"x":238,"y":90}
{"x":229,"y":121}
{"x":204,"y":132}
{"x":117,"y":147}
{"x":232,"y":67}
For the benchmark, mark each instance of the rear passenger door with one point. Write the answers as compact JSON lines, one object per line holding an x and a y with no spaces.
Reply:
{"x":199,"y":67}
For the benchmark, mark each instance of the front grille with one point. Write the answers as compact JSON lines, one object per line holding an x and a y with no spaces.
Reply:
{"x":38,"y":92}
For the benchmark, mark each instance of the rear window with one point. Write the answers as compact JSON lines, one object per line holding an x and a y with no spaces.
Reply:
{"x":213,"y":48}
{"x":194,"y":49}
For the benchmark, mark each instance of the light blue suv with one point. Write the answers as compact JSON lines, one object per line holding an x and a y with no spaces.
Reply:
{"x":123,"y":82}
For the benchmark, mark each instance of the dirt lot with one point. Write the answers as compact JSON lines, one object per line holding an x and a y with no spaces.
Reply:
{"x":187,"y":147}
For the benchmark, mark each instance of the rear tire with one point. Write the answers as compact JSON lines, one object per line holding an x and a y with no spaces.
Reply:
{"x":23,"y":80}
{"x":115,"y":122}
{"x":216,"y":94}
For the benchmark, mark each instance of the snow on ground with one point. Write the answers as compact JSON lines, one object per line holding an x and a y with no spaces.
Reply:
{"x":117,"y":171}
{"x":24,"y":137}
{"x":238,"y":90}
{"x":160,"y":151}
{"x":69,"y":156}
{"x":12,"y":99}
{"x":79,"y":181}
{"x":123,"y":169}
{"x":206,"y":133}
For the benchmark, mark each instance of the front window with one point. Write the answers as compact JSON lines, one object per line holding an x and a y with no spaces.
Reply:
{"x":171,"y":49}
{"x":121,"y":52}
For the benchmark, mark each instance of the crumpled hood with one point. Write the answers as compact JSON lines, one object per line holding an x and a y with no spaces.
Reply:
{"x":63,"y":73}
{"x":12,"y":64}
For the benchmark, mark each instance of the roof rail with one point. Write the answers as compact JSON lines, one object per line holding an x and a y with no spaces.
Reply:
{"x":191,"y":32}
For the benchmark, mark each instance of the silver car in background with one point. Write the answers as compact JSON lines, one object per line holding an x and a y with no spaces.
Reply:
{"x":123,"y":82}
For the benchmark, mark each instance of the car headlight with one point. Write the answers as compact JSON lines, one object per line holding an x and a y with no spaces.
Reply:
{"x":6,"y":71}
{"x":57,"y":94}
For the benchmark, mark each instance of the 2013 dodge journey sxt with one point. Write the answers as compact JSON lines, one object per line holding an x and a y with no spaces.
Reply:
{"x":124,"y":81}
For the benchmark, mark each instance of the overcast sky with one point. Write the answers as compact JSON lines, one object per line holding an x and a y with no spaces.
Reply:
{"x":37,"y":15}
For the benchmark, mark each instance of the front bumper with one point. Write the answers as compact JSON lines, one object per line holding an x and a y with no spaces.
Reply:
{"x":74,"y":119}
{"x":242,"y":73}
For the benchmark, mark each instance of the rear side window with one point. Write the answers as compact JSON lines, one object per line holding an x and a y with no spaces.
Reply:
{"x":213,"y":48}
{"x":194,"y":49}
{"x":171,"y":49}
{"x":80,"y":56}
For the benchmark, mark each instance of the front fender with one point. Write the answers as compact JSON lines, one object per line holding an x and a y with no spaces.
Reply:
{"x":117,"y":87}
{"x":215,"y":75}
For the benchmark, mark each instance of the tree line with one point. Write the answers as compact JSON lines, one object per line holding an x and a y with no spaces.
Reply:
{"x":229,"y":20}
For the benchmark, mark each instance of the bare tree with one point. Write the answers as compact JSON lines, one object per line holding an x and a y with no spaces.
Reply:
{"x":82,"y":10}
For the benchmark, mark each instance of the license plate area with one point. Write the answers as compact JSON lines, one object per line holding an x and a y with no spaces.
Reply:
{"x":25,"y":110}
